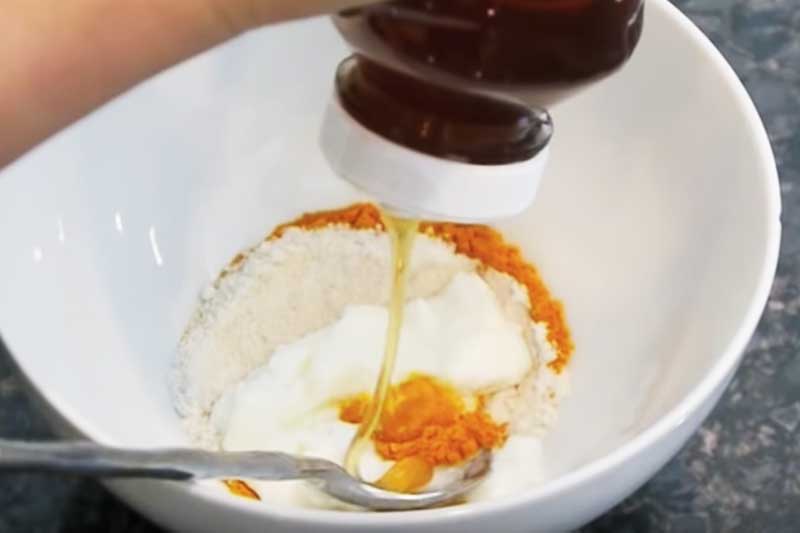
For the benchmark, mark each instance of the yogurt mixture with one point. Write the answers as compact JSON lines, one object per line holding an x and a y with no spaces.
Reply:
{"x":293,"y":332}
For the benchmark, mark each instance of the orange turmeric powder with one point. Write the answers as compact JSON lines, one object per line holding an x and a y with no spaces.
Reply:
{"x":478,"y":242}
{"x":240,"y":488}
{"x":427,"y":419}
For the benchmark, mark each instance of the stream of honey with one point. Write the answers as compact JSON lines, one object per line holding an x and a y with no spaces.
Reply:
{"x":402,"y":232}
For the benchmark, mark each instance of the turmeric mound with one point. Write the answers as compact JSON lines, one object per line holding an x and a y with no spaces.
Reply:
{"x":427,"y":419}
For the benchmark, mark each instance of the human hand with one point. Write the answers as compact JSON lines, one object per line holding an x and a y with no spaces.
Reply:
{"x":63,"y":58}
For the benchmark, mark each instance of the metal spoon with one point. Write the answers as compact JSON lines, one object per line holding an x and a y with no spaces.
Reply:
{"x":89,"y":459}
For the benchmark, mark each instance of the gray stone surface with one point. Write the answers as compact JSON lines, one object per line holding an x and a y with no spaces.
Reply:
{"x":741,"y":472}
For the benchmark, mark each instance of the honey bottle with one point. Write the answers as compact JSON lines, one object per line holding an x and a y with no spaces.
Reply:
{"x":441,"y":111}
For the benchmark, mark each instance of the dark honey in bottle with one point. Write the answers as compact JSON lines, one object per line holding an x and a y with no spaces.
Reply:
{"x":467,"y":79}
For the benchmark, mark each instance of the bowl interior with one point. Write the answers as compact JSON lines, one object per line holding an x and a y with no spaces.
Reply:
{"x":652,"y":225}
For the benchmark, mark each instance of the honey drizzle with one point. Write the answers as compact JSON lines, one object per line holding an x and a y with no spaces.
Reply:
{"x":402,"y":232}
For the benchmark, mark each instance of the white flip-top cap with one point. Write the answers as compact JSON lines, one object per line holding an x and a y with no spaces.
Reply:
{"x":415,"y":184}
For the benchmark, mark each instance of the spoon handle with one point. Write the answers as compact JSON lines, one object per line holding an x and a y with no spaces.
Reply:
{"x":94,"y":460}
{"x":87,"y":459}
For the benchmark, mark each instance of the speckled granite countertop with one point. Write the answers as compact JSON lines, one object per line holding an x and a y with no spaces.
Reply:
{"x":741,"y":472}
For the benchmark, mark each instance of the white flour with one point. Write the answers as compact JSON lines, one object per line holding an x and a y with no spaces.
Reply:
{"x":292,"y":286}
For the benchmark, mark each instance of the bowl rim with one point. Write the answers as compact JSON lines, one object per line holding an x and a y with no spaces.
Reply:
{"x":674,"y":418}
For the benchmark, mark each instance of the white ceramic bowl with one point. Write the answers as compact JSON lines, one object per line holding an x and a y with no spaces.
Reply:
{"x":657,"y":223}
